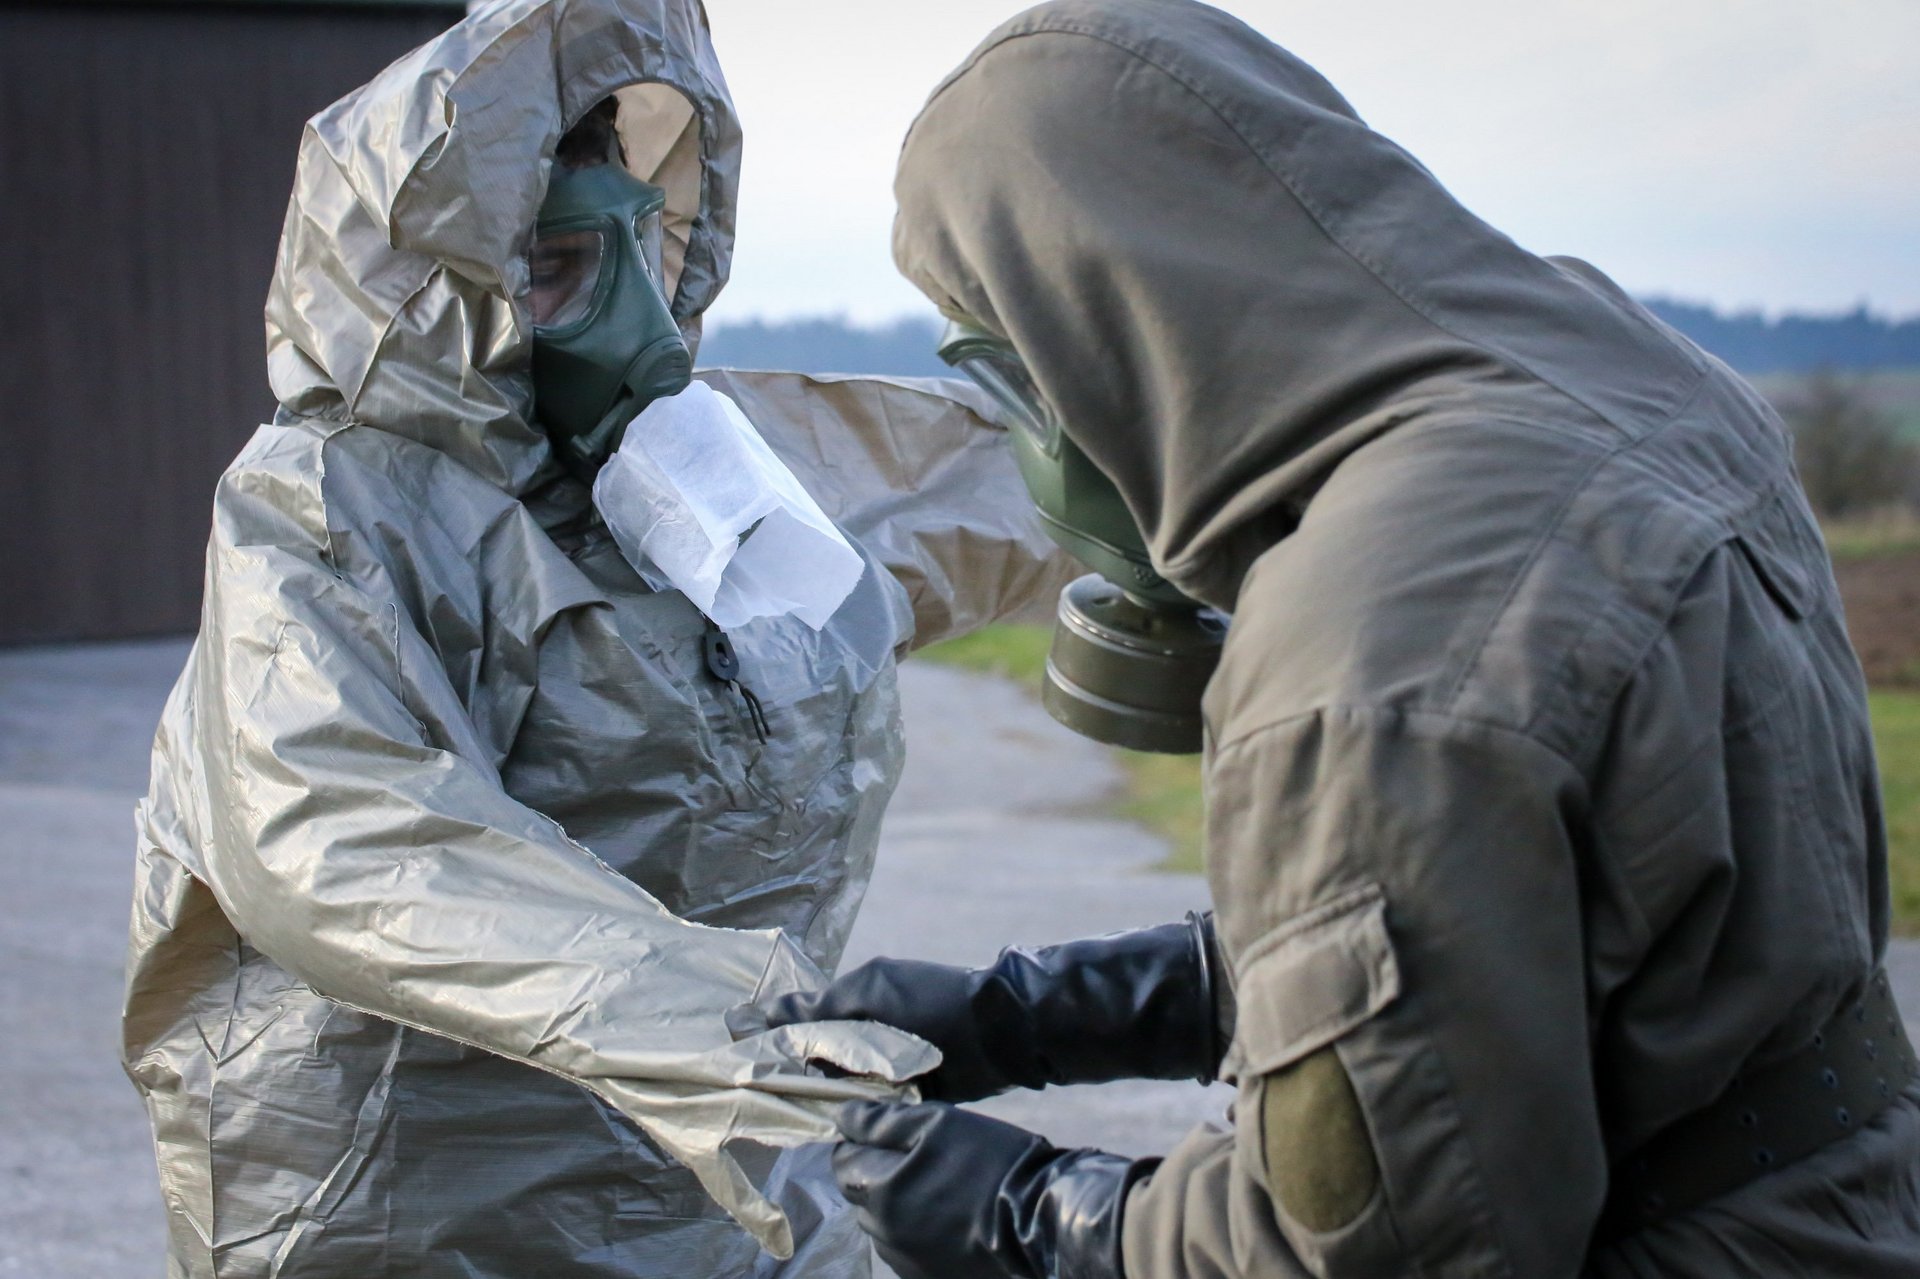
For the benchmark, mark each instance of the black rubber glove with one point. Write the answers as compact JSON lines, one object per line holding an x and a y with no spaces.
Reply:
{"x":1135,"y":1005}
{"x":948,"y":1194}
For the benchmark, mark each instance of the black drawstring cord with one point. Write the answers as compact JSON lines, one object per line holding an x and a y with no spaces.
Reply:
{"x":754,"y":711}
{"x":724,"y":665}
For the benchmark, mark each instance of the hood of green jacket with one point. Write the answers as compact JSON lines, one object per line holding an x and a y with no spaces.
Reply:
{"x":1225,"y":282}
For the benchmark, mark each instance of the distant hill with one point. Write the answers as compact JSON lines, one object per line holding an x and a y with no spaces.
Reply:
{"x":904,"y":348}
{"x":1796,"y":343}
{"x":1750,"y":342}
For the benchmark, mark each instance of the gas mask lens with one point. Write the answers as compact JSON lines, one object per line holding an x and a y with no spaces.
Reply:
{"x":1007,"y":382}
{"x":646,"y":233}
{"x":565,"y":270}
{"x":992,"y":366}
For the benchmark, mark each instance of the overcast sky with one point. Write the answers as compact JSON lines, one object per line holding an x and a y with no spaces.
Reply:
{"x":1747,"y":153}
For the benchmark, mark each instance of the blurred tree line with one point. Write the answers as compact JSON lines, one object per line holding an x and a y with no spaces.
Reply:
{"x":1855,"y":459}
{"x":1755,"y":344}
{"x":902,"y":348}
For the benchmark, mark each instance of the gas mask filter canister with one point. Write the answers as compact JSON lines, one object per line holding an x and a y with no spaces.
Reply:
{"x":1131,"y":655}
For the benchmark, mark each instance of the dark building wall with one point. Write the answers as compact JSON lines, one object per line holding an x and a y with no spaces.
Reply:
{"x":146,"y":155}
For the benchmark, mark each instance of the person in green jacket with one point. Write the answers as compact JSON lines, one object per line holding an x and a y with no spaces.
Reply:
{"x":1544,"y":829}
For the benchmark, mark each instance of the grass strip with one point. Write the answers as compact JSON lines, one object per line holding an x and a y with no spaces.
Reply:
{"x":1893,"y":532}
{"x":1896,"y":732}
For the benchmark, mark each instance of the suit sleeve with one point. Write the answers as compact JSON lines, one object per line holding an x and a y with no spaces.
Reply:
{"x":354,"y":830}
{"x":917,"y":472}
{"x":1399,"y":897}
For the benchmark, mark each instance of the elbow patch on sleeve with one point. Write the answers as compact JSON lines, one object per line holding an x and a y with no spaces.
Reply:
{"x":1314,"y":1148}
{"x":1301,"y":989}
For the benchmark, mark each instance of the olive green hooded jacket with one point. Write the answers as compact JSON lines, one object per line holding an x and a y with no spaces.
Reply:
{"x":455,"y":855}
{"x":1541,"y":792}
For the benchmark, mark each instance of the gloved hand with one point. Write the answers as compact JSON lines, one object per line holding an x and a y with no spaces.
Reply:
{"x":949,"y":1194}
{"x":1135,"y":1005}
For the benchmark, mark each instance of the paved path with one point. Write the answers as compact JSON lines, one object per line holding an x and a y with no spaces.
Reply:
{"x":995,"y":836}
{"x":77,"y":1195}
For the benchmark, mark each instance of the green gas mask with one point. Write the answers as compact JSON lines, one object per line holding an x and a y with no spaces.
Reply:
{"x":1131,"y":655}
{"x":605,"y":344}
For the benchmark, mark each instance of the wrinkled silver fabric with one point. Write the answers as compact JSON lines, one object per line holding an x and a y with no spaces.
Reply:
{"x":455,"y":857}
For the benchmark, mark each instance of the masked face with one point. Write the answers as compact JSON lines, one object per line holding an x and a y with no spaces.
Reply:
{"x":605,"y":344}
{"x":1131,"y":654}
{"x":1078,"y":504}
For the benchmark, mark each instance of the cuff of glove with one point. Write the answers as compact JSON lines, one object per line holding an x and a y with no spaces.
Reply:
{"x":1216,"y":994}
{"x":1084,"y":1200}
{"x":1142,"y":1004}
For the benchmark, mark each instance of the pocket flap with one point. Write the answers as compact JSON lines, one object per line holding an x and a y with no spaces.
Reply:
{"x":1311,"y":980}
{"x":1766,"y":544}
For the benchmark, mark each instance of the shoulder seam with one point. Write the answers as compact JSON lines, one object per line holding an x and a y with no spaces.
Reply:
{"x":1546,"y":536}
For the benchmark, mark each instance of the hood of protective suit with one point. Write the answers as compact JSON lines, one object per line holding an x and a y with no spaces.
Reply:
{"x":1221,"y":279}
{"x":399,"y":297}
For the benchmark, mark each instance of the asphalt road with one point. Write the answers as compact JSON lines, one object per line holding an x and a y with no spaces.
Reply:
{"x":996,"y":836}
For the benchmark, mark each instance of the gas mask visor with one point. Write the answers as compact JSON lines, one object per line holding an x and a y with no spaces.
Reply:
{"x":605,"y":343}
{"x":1131,"y":655}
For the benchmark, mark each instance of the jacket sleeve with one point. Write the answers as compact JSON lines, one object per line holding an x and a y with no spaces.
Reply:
{"x":1398,"y":895}
{"x":354,"y":830}
{"x":916,"y":470}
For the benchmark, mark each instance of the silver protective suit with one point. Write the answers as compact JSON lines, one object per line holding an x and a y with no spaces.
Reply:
{"x":455,"y":856}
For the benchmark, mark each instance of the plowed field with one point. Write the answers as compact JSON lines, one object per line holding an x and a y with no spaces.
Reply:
{"x":1882,"y":595}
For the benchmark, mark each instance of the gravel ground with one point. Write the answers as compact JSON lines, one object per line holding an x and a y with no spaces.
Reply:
{"x":996,"y":836}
